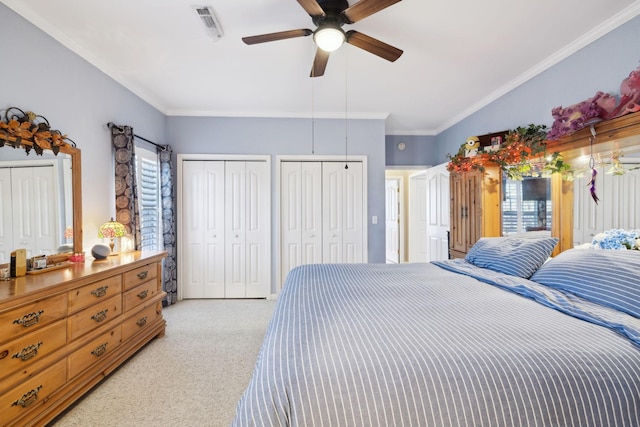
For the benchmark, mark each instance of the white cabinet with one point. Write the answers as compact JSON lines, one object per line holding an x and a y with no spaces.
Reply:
{"x":322,"y":211}
{"x":226,"y":229}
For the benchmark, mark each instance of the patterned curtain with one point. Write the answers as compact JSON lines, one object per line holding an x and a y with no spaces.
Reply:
{"x":126,"y":189}
{"x":169,"y":272}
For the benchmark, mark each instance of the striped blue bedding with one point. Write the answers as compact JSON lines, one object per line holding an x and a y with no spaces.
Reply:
{"x":422,"y":345}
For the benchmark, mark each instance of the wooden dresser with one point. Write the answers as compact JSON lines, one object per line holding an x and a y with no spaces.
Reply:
{"x":62,"y":332}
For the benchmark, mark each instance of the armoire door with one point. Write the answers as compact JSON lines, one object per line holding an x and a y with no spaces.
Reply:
{"x":203,"y":227}
{"x":301,"y":213}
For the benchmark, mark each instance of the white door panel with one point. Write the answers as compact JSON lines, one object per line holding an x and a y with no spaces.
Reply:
{"x":438,"y":204}
{"x":392,"y":188}
{"x":6,"y":221}
{"x":418,"y":216}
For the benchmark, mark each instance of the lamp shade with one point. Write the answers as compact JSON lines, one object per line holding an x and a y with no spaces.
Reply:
{"x":112,"y":229}
{"x":329,"y":38}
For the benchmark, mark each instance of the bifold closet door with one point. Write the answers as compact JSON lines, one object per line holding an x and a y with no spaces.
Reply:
{"x":342,"y":210}
{"x":34,"y":210}
{"x":247,"y":229}
{"x":204,"y":229}
{"x":226,"y":229}
{"x":6,"y":221}
{"x":301,"y":213}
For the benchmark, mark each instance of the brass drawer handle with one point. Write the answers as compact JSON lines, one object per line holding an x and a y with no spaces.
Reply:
{"x":100,"y":292}
{"x":29,"y":319}
{"x":143,"y":275}
{"x":142,"y":321}
{"x":100,"y":350}
{"x":100,"y":316}
{"x":28,"y":352}
{"x":143,"y":294}
{"x":28,"y":398}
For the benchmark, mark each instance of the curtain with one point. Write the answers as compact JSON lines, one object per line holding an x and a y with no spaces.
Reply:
{"x":169,"y":272}
{"x":125,"y":181}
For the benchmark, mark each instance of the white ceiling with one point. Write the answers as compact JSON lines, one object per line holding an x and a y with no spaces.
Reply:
{"x":458,"y":56}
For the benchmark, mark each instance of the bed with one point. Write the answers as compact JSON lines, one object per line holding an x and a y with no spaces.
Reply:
{"x":490,"y":340}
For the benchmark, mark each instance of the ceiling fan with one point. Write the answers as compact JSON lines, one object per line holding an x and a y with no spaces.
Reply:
{"x":329,"y":16}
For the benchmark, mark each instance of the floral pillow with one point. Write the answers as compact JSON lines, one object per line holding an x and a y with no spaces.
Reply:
{"x":516,"y":256}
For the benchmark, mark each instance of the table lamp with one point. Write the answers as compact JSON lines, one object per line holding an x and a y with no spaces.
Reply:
{"x":112,"y":229}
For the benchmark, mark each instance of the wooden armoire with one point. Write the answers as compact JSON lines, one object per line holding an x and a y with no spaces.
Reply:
{"x":475,"y":208}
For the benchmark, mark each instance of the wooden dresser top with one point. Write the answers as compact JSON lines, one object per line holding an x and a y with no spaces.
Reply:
{"x":19,"y":290}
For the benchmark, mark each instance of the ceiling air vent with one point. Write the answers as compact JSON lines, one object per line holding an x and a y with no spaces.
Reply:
{"x":209,"y":21}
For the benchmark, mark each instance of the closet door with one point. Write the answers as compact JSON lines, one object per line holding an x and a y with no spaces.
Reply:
{"x":204,"y":227}
{"x":247,"y":229}
{"x":6,"y":222}
{"x":342,"y":210}
{"x":301,"y":210}
{"x":34,"y":210}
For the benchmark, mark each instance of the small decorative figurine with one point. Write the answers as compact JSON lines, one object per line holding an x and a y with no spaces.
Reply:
{"x":471,"y":146}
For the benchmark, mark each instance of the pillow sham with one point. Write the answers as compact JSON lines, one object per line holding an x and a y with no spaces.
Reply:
{"x":516,"y":256}
{"x":606,"y":277}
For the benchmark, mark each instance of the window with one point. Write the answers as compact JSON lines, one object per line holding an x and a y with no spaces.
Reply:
{"x":148,"y":181}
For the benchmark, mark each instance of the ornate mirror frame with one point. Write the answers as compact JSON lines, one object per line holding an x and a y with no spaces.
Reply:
{"x":32,"y":132}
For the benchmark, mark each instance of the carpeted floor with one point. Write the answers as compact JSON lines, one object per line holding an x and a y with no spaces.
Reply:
{"x":193,"y":376}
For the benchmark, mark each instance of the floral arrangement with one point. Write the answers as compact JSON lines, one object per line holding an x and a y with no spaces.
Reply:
{"x":617,"y":239}
{"x":30,"y":131}
{"x":515,"y":156}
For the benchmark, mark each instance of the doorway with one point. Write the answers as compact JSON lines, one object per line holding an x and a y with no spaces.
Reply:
{"x":405,"y":215}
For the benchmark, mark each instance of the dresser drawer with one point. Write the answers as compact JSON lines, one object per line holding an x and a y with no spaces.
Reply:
{"x":19,"y":354}
{"x":138,"y":295}
{"x":94,"y":292}
{"x":140,"y":275}
{"x":140,"y":321}
{"x":94,"y":316}
{"x":29,"y":317}
{"x":32,"y":393}
{"x":93,"y":352}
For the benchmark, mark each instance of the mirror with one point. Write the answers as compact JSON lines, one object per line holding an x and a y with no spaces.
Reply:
{"x":41,"y":200}
{"x":526,"y":206}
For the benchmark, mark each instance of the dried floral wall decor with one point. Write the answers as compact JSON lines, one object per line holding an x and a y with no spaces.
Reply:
{"x":30,"y":131}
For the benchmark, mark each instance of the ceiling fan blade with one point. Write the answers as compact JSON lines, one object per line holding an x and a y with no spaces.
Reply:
{"x":365,"y":8}
{"x":312,"y":7}
{"x":277,"y":36}
{"x":319,"y":63}
{"x":372,"y":45}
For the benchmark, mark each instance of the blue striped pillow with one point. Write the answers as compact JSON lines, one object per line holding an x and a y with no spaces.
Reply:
{"x":511,"y":255}
{"x":606,"y":277}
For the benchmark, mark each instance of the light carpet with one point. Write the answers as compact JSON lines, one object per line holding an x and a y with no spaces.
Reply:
{"x":193,"y":376}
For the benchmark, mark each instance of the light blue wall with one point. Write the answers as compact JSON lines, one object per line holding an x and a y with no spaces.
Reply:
{"x":41,"y":75}
{"x":600,"y":66}
{"x":419,"y":150}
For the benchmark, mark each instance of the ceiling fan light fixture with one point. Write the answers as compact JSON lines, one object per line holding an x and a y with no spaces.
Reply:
{"x":329,"y":38}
